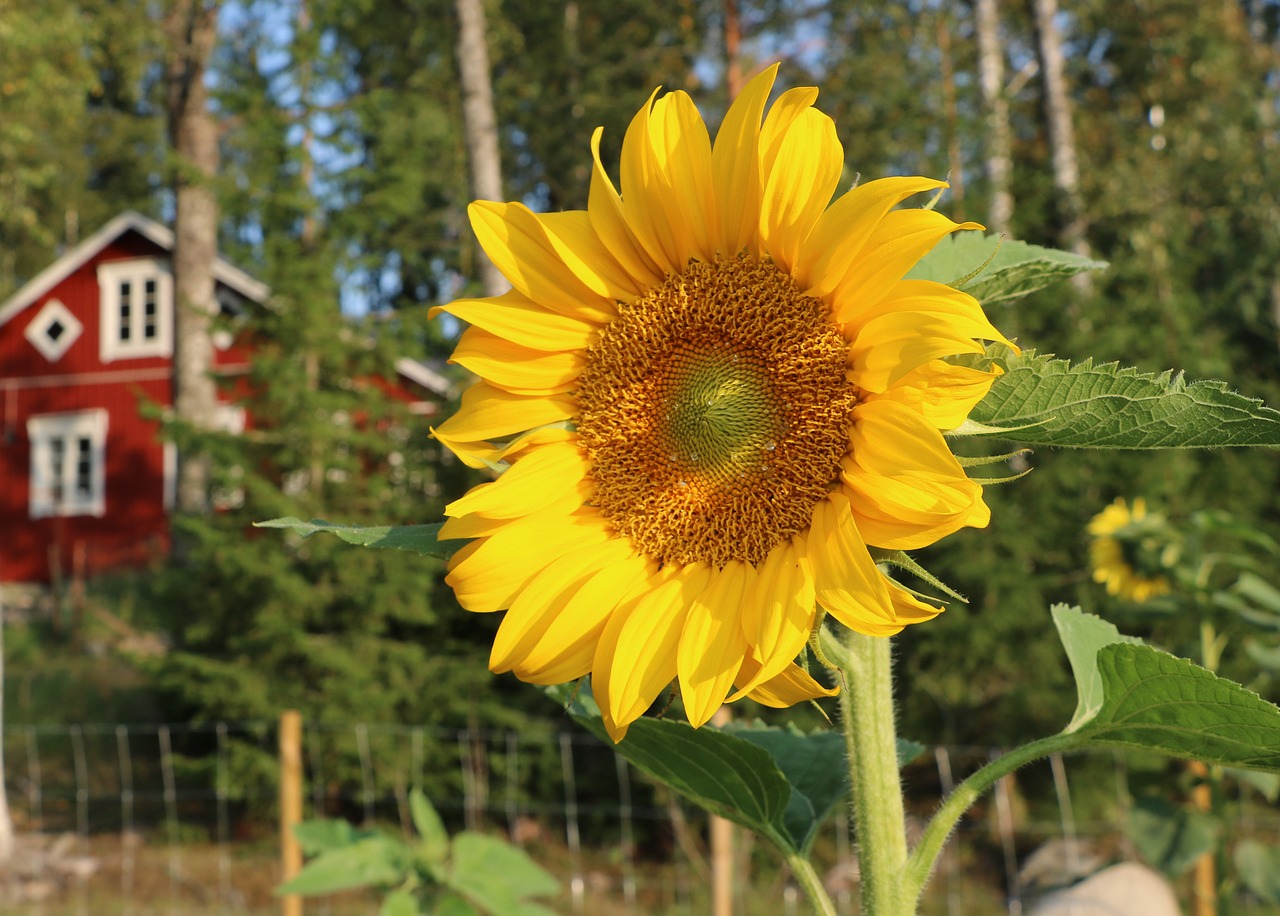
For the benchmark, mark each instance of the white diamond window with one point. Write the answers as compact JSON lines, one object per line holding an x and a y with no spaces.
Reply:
{"x":53,"y":330}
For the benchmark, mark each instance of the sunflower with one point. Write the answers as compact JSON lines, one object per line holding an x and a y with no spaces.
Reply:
{"x":1128,"y":549}
{"x":708,"y":393}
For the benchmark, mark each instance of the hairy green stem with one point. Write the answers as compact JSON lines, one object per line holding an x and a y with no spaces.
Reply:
{"x":925,"y":855}
{"x":807,"y":877}
{"x":867,"y":718}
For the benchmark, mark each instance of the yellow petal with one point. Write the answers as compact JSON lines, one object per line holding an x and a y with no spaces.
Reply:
{"x":942,"y":393}
{"x":927,"y":298}
{"x":777,"y":615}
{"x":712,"y":644}
{"x":807,"y":169}
{"x":643,"y":191}
{"x":682,"y":151}
{"x":488,"y":413}
{"x":906,"y":488}
{"x":544,"y":598}
{"x":488,"y":574}
{"x":843,"y":230}
{"x":794,"y":685}
{"x":910,"y":609}
{"x":518,"y":244}
{"x":901,"y":239}
{"x":565,"y":650}
{"x":604,"y":207}
{"x":584,"y":253}
{"x":889,"y":347}
{"x":735,"y":161}
{"x":514,"y":316}
{"x":846,"y":579}
{"x":549,"y":475}
{"x":486,"y":455}
{"x":782,"y":114}
{"x":514,"y":368}
{"x":636,"y":655}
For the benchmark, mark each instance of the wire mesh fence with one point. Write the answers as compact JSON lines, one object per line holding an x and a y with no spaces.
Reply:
{"x":170,"y":818}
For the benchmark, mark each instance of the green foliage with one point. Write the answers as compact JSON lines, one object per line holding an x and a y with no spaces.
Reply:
{"x":1040,"y":400}
{"x":473,"y":873}
{"x":1259,"y":869}
{"x":1170,"y":837}
{"x":1131,"y":695}
{"x":780,"y":782}
{"x":1009,"y":270}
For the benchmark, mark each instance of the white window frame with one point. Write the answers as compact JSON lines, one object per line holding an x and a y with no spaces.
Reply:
{"x":53,"y":350}
{"x":57,"y":486}
{"x":137,"y":272}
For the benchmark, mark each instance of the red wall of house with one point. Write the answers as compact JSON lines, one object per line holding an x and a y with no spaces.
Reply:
{"x":135,"y":526}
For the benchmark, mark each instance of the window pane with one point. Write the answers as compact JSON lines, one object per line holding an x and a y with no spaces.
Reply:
{"x":149,"y":310}
{"x":126,"y":310}
{"x":57,"y":465}
{"x":84,"y":469}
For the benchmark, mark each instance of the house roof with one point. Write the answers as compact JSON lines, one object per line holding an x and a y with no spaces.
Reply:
{"x":223,"y":271}
{"x":423,"y":375}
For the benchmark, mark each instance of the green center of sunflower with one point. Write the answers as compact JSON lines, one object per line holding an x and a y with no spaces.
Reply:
{"x":714,"y":412}
{"x":721,"y":414}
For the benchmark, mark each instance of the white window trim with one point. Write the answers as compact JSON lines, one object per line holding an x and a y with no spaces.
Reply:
{"x":53,"y":350}
{"x":137,"y":271}
{"x":42,"y":430}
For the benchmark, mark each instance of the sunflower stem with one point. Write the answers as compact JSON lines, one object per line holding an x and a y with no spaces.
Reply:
{"x":867,"y":718}
{"x":808,"y":879}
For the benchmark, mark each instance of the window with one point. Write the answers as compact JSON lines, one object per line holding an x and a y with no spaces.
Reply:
{"x":137,"y":318}
{"x":53,"y":330}
{"x":68,"y":463}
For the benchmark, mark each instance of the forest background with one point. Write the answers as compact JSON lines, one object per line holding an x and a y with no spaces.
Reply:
{"x":1143,"y":134}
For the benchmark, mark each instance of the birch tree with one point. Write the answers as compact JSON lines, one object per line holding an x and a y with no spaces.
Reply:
{"x":480,"y":124}
{"x":997,"y":143}
{"x":190,"y":28}
{"x":1062,"y":137}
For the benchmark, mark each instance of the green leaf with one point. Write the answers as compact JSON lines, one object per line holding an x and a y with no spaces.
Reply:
{"x":813,"y":764}
{"x":420,"y":539}
{"x":494,"y":875}
{"x":453,"y":905}
{"x":1266,"y":783}
{"x":374,"y":861}
{"x":1169,"y":837}
{"x":722,"y":773}
{"x":399,"y":903}
{"x":1259,"y":868}
{"x":1088,"y":406}
{"x":1015,"y":270}
{"x":435,"y":839}
{"x":1131,"y":695}
{"x":1083,"y":635}
{"x":320,"y":836}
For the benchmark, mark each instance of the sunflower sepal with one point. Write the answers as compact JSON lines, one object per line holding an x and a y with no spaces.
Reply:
{"x":978,"y":461}
{"x":903,"y":560}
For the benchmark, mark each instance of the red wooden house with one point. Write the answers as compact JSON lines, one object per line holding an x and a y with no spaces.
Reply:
{"x":86,"y":483}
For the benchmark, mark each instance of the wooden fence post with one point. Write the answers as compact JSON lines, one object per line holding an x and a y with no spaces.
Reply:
{"x":290,"y":804}
{"x":721,"y":830}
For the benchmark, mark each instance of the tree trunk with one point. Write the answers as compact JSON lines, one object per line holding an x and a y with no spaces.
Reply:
{"x":480,"y":124}
{"x":998,"y":146}
{"x":190,"y":28}
{"x":951,"y":115}
{"x":1062,"y":137}
{"x":732,"y":49}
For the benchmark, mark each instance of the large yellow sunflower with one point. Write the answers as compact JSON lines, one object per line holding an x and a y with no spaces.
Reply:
{"x":710,"y":392}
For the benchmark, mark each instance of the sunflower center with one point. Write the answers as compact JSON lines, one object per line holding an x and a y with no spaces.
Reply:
{"x":714,"y":412}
